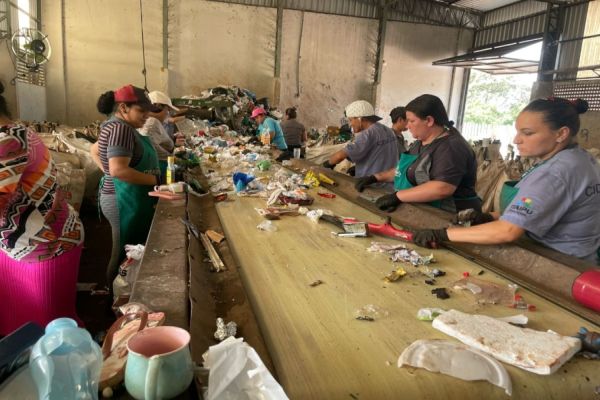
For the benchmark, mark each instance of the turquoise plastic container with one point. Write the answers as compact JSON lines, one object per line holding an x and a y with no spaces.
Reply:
{"x":65,"y":363}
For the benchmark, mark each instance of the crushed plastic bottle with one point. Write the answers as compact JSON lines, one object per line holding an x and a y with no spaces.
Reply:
{"x":66,"y":362}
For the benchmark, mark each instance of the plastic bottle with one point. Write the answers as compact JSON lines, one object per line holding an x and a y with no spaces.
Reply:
{"x":66,"y":362}
{"x":170,"y":170}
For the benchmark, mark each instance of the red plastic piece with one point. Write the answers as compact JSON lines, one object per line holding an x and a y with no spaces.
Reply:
{"x":586,"y":289}
{"x":387,"y":229}
{"x":531,"y":307}
{"x":327,"y":195}
{"x":466,"y":274}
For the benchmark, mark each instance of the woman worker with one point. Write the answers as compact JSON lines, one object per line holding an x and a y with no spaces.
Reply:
{"x":130,"y":166}
{"x":556,"y":202}
{"x":439,"y":168}
{"x":293,"y":131}
{"x":155,"y":130}
{"x":41,"y":235}
{"x":269,"y":130}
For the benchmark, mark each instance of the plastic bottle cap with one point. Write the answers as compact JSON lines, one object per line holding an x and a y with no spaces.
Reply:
{"x":466,"y":274}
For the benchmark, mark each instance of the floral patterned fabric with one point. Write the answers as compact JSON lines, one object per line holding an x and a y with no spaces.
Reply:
{"x":36,"y":222}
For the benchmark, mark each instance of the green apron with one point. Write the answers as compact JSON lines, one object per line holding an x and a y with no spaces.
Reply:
{"x":401,"y":181}
{"x":136,"y":207}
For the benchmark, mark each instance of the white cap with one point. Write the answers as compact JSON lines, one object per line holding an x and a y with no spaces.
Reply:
{"x":157,"y":97}
{"x":360,"y":108}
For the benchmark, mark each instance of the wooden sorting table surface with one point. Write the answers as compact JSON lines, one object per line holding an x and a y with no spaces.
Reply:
{"x":319,"y":349}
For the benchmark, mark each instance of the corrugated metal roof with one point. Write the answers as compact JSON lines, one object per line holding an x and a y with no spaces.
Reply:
{"x":525,"y":27}
{"x":573,"y":27}
{"x":513,"y":11}
{"x":483,"y":5}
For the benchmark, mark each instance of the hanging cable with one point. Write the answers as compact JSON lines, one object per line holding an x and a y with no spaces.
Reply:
{"x":143,"y":48}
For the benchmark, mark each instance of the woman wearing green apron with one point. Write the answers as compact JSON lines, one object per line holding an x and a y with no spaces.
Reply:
{"x":438,"y":169}
{"x":130,"y":166}
{"x":555,"y":203}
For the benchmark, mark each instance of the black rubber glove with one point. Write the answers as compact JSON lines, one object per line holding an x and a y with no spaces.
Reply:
{"x":351,"y":171}
{"x":327,"y":164}
{"x":365,"y":181}
{"x":430,"y":238}
{"x":388,"y":202}
{"x":473,"y":217}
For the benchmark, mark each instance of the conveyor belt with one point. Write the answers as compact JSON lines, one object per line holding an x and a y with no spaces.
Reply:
{"x":319,"y":349}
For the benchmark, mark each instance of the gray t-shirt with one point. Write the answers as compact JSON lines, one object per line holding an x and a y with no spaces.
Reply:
{"x":292,"y":132}
{"x":374,"y":150}
{"x":558,"y":204}
{"x":157,"y":133}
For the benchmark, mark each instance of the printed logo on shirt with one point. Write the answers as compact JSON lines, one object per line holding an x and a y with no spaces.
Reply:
{"x":592,"y":190}
{"x":523,"y":206}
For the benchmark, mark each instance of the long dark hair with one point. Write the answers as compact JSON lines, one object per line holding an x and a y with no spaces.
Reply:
{"x":3,"y":106}
{"x":558,"y":112}
{"x":428,"y":105}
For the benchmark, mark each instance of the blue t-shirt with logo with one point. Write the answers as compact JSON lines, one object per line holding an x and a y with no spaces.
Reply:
{"x":558,"y":204}
{"x":270,"y":125}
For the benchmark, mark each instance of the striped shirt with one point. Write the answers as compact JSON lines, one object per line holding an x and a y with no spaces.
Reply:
{"x":118,"y":139}
{"x":36,"y":222}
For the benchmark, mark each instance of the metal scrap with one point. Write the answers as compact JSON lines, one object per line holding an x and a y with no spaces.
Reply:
{"x":225,"y":330}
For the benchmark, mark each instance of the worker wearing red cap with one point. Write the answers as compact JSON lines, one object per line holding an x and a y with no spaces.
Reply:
{"x":130,"y":167}
{"x":269,"y":130}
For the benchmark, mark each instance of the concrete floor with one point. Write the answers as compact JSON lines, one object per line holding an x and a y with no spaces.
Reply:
{"x":94,"y":309}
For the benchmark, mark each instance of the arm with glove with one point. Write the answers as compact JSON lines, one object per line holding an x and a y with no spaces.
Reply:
{"x":335,"y":159}
{"x":428,"y":191}
{"x":495,"y":232}
{"x":385,"y":176}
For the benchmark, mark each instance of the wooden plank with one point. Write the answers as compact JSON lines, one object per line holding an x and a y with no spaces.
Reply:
{"x":321,"y":351}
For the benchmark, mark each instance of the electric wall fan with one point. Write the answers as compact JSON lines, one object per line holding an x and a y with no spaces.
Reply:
{"x":31,"y":47}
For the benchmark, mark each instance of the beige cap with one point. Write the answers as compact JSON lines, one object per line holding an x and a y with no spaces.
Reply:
{"x":360,"y":108}
{"x":157,"y":97}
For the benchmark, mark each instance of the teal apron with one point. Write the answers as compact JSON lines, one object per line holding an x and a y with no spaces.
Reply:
{"x":136,"y":207}
{"x":401,"y":181}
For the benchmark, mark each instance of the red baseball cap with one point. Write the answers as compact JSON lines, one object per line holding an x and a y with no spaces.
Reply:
{"x":258,"y":111}
{"x":133,"y":94}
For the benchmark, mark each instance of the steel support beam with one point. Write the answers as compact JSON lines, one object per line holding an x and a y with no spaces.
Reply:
{"x":5,"y":16}
{"x":165,"y":34}
{"x":552,"y":32}
{"x":278,"y":38}
{"x":383,"y":16}
{"x":438,"y":14}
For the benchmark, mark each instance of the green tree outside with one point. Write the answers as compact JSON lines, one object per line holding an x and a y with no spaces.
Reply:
{"x":495,"y":99}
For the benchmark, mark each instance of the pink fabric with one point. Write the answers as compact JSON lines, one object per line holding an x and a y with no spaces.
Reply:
{"x":38,"y":292}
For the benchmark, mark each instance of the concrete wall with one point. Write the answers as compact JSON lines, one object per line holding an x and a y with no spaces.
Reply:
{"x":589,"y":133}
{"x":407,"y":71}
{"x":213,"y":43}
{"x":98,"y":48}
{"x":337,"y":58}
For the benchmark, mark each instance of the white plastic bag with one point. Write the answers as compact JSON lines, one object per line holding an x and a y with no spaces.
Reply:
{"x":238,"y":373}
{"x":128,"y":271}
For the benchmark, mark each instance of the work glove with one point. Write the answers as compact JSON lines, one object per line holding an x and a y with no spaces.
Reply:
{"x":472,"y":217}
{"x":327,"y":164}
{"x":365,"y":181}
{"x":430,"y":238}
{"x":351,"y":171}
{"x":388,"y":202}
